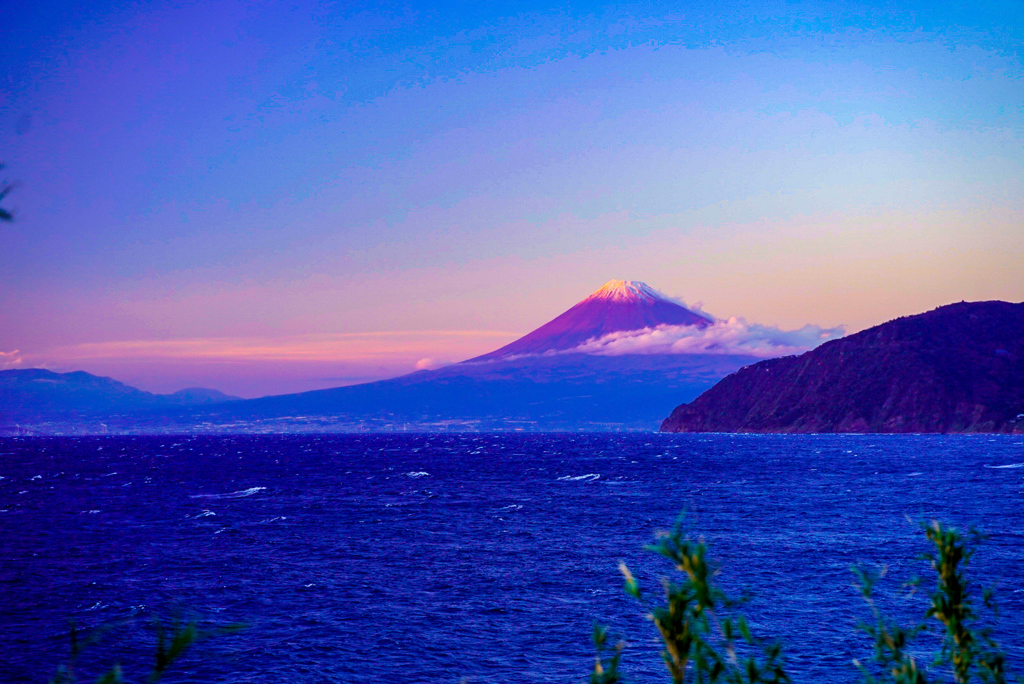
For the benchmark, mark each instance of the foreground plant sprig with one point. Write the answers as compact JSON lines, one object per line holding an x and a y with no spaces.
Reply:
{"x":890,"y":639}
{"x":606,"y":670}
{"x":967,"y":651}
{"x":172,"y":643}
{"x":702,"y":633}
{"x":700,"y":639}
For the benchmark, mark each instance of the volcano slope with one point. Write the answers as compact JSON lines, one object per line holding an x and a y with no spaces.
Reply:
{"x":542,"y":381}
{"x":537,"y":382}
{"x":958,"y":368}
{"x":568,"y":392}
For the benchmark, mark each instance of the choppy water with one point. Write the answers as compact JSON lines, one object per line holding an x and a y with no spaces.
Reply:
{"x":438,"y":558}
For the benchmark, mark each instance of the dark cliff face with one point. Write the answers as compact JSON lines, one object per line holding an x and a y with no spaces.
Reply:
{"x":959,"y":368}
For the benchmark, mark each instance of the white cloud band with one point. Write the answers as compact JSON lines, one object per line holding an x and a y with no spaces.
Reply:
{"x":730,"y":336}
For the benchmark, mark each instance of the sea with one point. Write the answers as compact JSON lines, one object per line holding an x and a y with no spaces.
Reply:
{"x":480,"y":557}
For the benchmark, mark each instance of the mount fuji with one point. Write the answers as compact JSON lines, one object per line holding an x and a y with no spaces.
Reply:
{"x":543,"y":381}
{"x":619,"y":306}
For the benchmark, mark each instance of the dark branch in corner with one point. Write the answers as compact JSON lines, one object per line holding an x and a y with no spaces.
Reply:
{"x":5,"y":189}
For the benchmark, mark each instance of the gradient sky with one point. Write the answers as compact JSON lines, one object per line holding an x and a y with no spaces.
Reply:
{"x":266,"y":197}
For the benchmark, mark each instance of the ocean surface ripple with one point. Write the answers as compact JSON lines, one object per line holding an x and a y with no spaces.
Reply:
{"x":476,"y":558}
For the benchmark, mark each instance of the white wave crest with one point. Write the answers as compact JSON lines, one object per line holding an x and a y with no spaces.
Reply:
{"x":1010,"y":465}
{"x":270,"y":520}
{"x":230,"y":495}
{"x":419,"y":473}
{"x":580,"y":478}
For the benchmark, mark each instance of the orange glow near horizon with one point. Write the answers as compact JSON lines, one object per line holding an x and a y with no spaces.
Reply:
{"x":324,"y":347}
{"x":259,"y":366}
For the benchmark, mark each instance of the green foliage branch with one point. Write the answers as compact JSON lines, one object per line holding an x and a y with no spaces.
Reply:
{"x":5,"y":189}
{"x":606,"y":668}
{"x":967,"y":650}
{"x":701,"y":635}
{"x":172,"y":643}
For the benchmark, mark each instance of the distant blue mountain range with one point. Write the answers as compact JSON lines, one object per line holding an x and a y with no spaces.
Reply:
{"x":36,"y":395}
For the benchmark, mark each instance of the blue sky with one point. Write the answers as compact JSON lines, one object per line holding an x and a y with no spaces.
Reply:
{"x":247,"y":175}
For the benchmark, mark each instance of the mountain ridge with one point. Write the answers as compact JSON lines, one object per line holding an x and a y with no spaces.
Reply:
{"x":957,"y":368}
{"x":39,"y":393}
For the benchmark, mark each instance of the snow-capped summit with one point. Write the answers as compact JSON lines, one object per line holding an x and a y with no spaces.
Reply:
{"x":617,"y":306}
{"x":627,"y":290}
